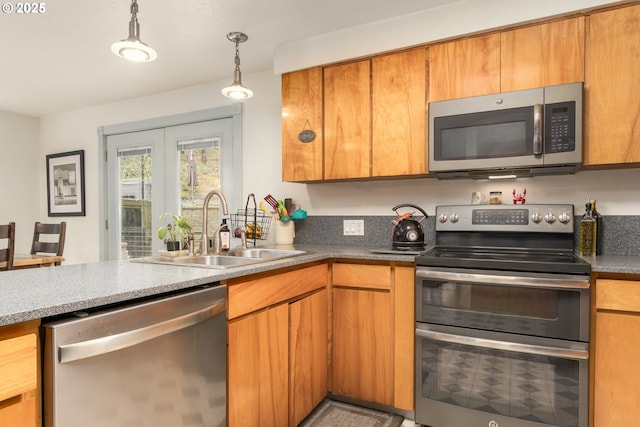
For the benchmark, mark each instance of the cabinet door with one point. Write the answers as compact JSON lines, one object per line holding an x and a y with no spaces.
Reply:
{"x":258,"y":369}
{"x":399,"y":142}
{"x":308,"y":342}
{"x":362,"y":347}
{"x":542,"y":55}
{"x":404,"y":325}
{"x":612,"y":104}
{"x":616,"y":391}
{"x":302,"y":110}
{"x":462,"y":68}
{"x":20,"y":392}
{"x":347,"y":116}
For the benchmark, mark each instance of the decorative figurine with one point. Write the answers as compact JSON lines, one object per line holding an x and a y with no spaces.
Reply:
{"x":519,"y":198}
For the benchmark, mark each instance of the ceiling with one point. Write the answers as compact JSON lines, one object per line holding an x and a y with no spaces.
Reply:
{"x":60,"y":60}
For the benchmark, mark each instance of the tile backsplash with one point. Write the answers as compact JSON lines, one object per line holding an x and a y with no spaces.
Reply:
{"x":621,"y":234}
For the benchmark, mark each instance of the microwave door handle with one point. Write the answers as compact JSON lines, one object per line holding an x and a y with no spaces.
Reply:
{"x":537,"y":129}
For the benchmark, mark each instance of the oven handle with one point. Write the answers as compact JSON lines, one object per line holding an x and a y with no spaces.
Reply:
{"x":539,"y":350}
{"x":492,"y":279}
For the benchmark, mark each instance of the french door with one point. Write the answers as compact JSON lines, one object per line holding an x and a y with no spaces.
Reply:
{"x":169,"y":169}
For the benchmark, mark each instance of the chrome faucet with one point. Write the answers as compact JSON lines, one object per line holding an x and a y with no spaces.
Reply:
{"x":204,"y":247}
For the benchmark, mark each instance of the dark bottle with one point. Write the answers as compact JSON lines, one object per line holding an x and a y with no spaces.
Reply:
{"x":225,"y":236}
{"x":599,"y":228}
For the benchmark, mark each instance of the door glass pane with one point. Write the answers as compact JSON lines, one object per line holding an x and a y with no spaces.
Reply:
{"x":199,"y":174}
{"x":134,"y":166}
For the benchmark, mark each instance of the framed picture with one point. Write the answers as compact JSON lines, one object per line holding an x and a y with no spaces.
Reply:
{"x":65,"y":183}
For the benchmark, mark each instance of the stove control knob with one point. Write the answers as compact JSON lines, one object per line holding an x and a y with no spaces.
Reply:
{"x":536,"y":217}
{"x":443,"y":218}
{"x":550,"y":218}
{"x":564,"y":218}
{"x":454,"y":218}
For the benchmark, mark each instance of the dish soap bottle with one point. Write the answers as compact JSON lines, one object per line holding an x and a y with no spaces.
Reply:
{"x":225,"y":235}
{"x":588,"y":225}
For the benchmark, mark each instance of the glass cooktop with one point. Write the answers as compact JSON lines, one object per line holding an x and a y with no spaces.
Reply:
{"x":513,"y":259}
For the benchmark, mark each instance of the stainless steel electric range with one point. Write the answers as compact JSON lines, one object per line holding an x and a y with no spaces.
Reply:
{"x":502,"y":319}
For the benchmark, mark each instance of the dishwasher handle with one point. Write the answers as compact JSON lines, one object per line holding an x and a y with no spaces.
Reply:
{"x":95,"y":347}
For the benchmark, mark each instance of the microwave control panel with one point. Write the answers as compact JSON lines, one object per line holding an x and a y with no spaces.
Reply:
{"x":559,"y":127}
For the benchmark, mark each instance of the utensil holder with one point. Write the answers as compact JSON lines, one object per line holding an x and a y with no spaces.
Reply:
{"x":285,"y":232}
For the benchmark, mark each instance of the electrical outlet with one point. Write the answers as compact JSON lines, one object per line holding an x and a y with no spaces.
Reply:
{"x":353,"y":227}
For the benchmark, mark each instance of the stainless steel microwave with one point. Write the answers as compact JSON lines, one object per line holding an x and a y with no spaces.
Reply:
{"x":511,"y":134}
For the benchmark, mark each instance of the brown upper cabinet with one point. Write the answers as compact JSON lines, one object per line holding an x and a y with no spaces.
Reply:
{"x":399,"y":141}
{"x":347,"y":120}
{"x":463,"y":68}
{"x":372,"y":124}
{"x":539,"y":55}
{"x":542,"y":55}
{"x":302,"y":111}
{"x":612,"y":104}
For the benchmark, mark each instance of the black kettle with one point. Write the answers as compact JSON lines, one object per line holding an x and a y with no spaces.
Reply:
{"x":407,"y":232}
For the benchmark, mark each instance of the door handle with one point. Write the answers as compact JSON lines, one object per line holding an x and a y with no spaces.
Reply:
{"x":537,"y":129}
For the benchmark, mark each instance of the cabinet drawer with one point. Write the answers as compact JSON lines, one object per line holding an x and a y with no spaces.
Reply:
{"x":622,"y":295}
{"x":18,"y":366}
{"x":362,"y":276}
{"x":246,"y":297}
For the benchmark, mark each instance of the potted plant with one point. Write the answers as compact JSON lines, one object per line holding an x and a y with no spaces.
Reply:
{"x":175,"y":231}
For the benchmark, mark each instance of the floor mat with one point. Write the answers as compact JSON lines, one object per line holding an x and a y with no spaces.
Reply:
{"x":337,"y":414}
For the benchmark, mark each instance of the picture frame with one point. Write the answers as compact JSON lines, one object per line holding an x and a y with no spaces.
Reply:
{"x":65,"y":184}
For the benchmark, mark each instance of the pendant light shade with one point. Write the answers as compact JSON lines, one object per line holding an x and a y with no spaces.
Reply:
{"x":132,"y":48}
{"x":237,"y":90}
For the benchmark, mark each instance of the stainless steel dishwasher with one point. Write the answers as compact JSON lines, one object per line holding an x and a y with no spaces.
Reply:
{"x":159,"y":362}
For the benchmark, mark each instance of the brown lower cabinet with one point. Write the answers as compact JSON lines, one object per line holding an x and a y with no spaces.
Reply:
{"x":616,"y":382}
{"x":19,"y":375}
{"x":286,"y":350}
{"x":277,"y":354}
{"x":373,"y":333}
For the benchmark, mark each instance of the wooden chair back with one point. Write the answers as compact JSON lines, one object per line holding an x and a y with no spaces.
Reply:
{"x":48,"y":246}
{"x":6,"y":255}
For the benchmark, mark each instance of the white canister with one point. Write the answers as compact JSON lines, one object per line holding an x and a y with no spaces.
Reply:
{"x":285,"y":232}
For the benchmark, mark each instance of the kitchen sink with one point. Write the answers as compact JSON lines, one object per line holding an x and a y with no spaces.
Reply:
{"x":215,"y":261}
{"x":233,"y":258}
{"x":265,"y":253}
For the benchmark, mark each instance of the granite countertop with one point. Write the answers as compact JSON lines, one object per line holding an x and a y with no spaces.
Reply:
{"x":619,"y":264}
{"x":42,"y":292}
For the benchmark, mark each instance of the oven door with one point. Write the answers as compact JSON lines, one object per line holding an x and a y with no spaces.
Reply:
{"x":467,"y":377}
{"x":538,"y":304}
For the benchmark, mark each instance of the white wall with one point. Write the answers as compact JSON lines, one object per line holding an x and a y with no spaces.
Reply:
{"x":20,"y":166}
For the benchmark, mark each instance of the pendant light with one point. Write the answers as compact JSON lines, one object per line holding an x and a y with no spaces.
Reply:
{"x":132,"y":48}
{"x":237,"y":90}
